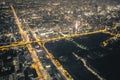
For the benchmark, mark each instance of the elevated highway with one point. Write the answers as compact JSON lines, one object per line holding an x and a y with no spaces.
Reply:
{"x":37,"y":64}
{"x":22,"y":43}
{"x":56,"y":63}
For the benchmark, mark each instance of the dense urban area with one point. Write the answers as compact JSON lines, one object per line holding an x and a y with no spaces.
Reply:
{"x":59,"y":39}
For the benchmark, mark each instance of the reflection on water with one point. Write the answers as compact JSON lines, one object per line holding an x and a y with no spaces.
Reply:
{"x":97,"y":57}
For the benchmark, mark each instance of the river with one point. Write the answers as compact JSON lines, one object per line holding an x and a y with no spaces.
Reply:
{"x":102,"y":60}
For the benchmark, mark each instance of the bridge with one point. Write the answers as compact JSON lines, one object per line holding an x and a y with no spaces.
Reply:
{"x":37,"y":65}
{"x":105,"y":43}
{"x":23,"y":43}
